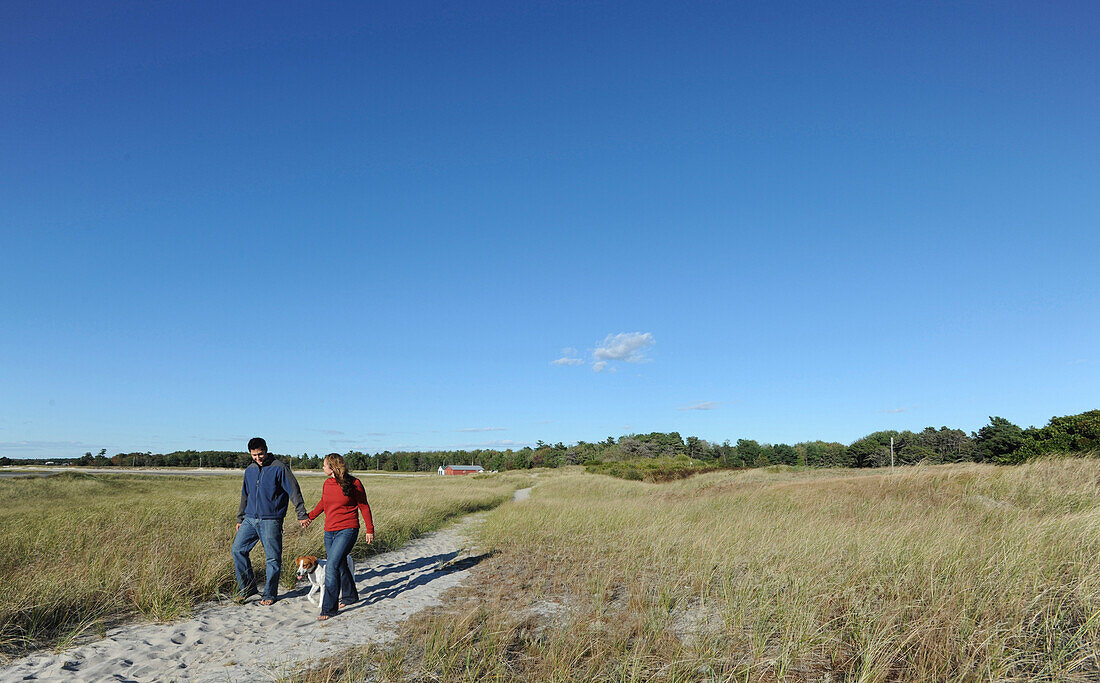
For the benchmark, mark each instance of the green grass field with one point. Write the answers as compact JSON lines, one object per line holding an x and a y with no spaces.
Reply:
{"x":79,"y":551}
{"x":940,"y":573}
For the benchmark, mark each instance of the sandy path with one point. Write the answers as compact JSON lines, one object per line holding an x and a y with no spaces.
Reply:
{"x":226,"y":642}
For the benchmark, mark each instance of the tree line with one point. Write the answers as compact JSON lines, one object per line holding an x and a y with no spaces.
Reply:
{"x":1000,"y":441}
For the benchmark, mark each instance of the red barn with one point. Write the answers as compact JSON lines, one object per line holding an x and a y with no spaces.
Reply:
{"x":462,"y":469}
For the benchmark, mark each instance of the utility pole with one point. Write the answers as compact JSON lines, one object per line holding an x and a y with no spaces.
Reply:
{"x":891,"y":453}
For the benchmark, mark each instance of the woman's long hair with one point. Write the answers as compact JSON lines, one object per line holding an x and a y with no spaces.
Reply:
{"x":339,"y":468}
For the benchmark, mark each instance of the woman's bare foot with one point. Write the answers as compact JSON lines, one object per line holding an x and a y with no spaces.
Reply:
{"x":267,"y":603}
{"x":322,"y":617}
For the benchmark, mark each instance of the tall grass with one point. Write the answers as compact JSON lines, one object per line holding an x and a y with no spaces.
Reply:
{"x":943,"y":573}
{"x":79,"y":552}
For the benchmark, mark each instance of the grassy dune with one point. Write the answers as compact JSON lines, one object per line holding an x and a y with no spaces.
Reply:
{"x":952,"y":573}
{"x":79,"y":551}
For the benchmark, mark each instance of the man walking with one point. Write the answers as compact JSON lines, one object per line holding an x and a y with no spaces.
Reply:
{"x":268,"y":486}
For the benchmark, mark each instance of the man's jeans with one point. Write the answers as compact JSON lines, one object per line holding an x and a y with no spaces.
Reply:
{"x":339,"y":583}
{"x":269,"y":532}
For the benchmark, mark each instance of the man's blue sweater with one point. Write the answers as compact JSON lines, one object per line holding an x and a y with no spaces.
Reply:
{"x":267,"y":490}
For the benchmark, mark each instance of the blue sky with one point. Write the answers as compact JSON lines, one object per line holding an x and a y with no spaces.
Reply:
{"x":378,"y":225}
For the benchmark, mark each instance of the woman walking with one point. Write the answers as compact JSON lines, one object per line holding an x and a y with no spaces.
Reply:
{"x":342,"y":498}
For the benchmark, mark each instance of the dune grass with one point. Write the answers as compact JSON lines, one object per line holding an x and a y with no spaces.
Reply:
{"x":941,"y":573}
{"x":79,"y":552}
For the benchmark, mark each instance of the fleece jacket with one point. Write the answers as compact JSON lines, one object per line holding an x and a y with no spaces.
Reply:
{"x":267,"y":490}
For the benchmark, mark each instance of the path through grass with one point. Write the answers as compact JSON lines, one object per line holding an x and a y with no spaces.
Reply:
{"x":79,"y":552}
{"x":949,"y":573}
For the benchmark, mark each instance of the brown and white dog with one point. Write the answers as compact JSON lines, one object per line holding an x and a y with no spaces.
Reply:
{"x":314,"y":569}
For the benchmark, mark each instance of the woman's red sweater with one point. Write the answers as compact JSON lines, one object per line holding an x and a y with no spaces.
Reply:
{"x":339,"y":510}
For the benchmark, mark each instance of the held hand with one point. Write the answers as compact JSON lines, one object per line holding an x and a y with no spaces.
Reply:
{"x":369,"y":538}
{"x":303,"y":523}
{"x":238,"y":526}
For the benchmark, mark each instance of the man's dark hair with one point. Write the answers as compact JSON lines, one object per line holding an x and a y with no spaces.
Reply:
{"x":256,"y":442}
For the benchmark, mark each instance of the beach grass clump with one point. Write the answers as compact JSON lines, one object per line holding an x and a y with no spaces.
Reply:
{"x":936,"y":573}
{"x":80,"y":552}
{"x":654,"y":470}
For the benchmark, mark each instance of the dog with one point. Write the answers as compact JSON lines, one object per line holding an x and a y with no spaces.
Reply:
{"x":314,"y":569}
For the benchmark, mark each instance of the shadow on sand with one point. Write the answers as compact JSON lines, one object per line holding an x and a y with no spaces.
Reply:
{"x":415,"y":573}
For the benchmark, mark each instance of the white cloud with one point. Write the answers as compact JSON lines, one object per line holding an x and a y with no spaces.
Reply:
{"x":702,"y":405}
{"x":483,"y":429}
{"x":629,"y":347}
{"x":894,"y":410}
{"x":567,"y":361}
{"x":41,"y":445}
{"x":568,"y":357}
{"x":493,"y":444}
{"x":625,"y":346}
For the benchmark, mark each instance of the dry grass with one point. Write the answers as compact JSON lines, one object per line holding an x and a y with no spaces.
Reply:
{"x":944,"y":573}
{"x":79,"y":552}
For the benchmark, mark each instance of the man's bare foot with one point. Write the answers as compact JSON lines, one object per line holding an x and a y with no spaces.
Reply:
{"x":322,"y":617}
{"x":267,"y":602}
{"x":343,"y":606}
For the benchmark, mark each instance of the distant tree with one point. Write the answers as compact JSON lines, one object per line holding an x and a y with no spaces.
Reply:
{"x":522,"y":459}
{"x":727,"y":455}
{"x":101,"y":459}
{"x":784,"y":454}
{"x":998,"y":441}
{"x":812,"y":452}
{"x":837,"y":455}
{"x":910,"y":449}
{"x":633,"y":448}
{"x":948,"y":445}
{"x":751,"y":453}
{"x":873,"y":450}
{"x":1071,"y":433}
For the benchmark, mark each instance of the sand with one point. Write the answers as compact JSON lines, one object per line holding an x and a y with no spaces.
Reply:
{"x":227,"y":642}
